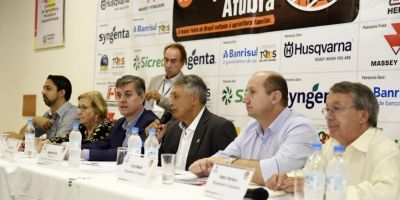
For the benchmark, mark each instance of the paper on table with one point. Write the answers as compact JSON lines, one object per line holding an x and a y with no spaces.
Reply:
{"x":189,"y":178}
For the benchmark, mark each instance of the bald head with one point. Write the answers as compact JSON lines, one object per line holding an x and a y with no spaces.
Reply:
{"x":273,"y":81}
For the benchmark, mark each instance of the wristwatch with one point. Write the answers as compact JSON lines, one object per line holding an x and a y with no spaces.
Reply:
{"x":231,"y":159}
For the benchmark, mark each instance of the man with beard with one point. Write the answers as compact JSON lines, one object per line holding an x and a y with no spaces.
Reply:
{"x":58,"y":120}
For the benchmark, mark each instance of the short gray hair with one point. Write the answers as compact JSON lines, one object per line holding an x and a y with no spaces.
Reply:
{"x":193,"y":83}
{"x":140,"y":86}
{"x":363,"y":98}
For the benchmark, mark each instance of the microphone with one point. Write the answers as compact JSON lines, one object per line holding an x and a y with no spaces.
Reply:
{"x":257,"y":194}
{"x":166,"y":117}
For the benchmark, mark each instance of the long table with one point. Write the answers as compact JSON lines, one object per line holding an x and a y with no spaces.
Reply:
{"x":23,"y":179}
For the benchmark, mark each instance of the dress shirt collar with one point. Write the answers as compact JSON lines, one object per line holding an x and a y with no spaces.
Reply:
{"x":129,"y":125}
{"x":362,"y":143}
{"x":173,"y":79}
{"x":62,"y":110}
{"x":276,"y":125}
{"x":195,"y":122}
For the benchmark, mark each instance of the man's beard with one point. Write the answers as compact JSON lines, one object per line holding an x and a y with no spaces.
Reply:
{"x":47,"y":101}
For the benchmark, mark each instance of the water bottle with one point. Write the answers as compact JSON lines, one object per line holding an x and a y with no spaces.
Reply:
{"x":314,"y":175}
{"x":151,"y":145}
{"x":336,"y":176}
{"x":30,"y":149}
{"x":75,"y":140}
{"x":135,"y":142}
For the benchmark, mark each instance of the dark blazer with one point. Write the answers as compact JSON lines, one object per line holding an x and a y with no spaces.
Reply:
{"x":106,"y":150}
{"x":213,"y":133}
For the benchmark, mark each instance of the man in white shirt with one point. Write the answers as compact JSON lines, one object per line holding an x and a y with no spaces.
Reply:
{"x":196,"y":133}
{"x":373,"y":160}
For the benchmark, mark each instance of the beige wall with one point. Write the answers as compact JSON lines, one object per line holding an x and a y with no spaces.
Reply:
{"x":24,"y":70}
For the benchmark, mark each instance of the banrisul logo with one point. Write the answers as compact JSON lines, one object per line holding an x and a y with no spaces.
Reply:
{"x":147,"y":62}
{"x":145,"y":28}
{"x":111,"y":3}
{"x":309,"y":99}
{"x":203,"y":59}
{"x":230,"y":95}
{"x":113,"y":35}
{"x":292,"y":49}
{"x":232,"y":53}
{"x":227,"y":95}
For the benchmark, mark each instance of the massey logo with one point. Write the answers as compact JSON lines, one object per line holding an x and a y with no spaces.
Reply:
{"x":309,"y":98}
{"x":394,"y":39}
{"x":205,"y":59}
{"x":113,"y":35}
{"x":110,"y":3}
{"x":302,"y":49}
{"x":311,"y":5}
{"x":231,"y":53}
{"x":146,"y":62}
{"x":228,"y":96}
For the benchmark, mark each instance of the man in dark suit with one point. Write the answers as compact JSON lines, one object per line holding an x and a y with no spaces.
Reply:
{"x":130,"y":98}
{"x":196,"y":133}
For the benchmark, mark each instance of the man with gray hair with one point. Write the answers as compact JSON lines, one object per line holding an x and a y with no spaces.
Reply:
{"x":130,"y":99}
{"x":196,"y":133}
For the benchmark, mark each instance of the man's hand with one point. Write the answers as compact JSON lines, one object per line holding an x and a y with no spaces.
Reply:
{"x":281,"y":182}
{"x":153,"y":95}
{"x":201,"y":168}
{"x":43,"y":122}
{"x":160,"y":128}
{"x":40,"y":144}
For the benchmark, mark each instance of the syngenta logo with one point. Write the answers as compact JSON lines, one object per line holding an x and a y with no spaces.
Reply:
{"x":113,"y":35}
{"x":228,"y":96}
{"x":231,"y":53}
{"x":110,"y":3}
{"x":146,"y":62}
{"x":309,"y":98}
{"x":292,"y":49}
{"x":205,"y":59}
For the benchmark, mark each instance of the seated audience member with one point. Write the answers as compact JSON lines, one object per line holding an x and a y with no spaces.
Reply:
{"x":130,"y":99}
{"x":94,"y":125}
{"x":58,"y":120}
{"x":373,"y":160}
{"x":160,"y":86}
{"x":196,"y":133}
{"x":278,"y":140}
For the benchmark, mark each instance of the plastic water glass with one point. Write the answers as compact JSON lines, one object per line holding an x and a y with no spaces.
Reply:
{"x":168,"y":168}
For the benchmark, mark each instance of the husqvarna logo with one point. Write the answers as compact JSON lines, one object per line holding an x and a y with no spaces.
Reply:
{"x":292,"y":49}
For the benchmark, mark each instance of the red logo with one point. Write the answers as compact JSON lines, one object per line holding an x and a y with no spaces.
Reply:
{"x":394,"y":40}
{"x":394,"y":2}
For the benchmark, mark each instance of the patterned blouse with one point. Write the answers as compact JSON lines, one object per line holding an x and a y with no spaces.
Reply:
{"x":101,"y":131}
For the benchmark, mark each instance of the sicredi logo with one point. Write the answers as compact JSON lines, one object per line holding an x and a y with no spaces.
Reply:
{"x":292,"y":49}
{"x":229,"y":97}
{"x":204,"y":59}
{"x":311,"y":5}
{"x":147,"y":62}
{"x":113,"y":35}
{"x":394,"y":39}
{"x":309,"y":99}
{"x":111,"y":3}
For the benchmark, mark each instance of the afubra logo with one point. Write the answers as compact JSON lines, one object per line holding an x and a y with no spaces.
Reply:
{"x":113,"y":35}
{"x":309,"y":98}
{"x":292,"y":49}
{"x":229,"y":95}
{"x":110,"y":3}
{"x":204,"y":59}
{"x":311,"y":5}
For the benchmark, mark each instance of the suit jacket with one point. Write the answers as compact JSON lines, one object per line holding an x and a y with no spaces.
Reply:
{"x":155,"y":84}
{"x":106,"y":149}
{"x":213,"y":133}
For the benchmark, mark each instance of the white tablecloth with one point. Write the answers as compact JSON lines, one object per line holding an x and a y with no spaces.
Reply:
{"x":23,"y":179}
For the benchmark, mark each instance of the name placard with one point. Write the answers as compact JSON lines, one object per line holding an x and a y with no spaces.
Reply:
{"x":228,"y":182}
{"x":137,"y":169}
{"x":52,"y":154}
{"x":11,"y":149}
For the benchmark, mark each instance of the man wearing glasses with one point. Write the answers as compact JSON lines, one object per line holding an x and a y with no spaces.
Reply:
{"x":160,"y":86}
{"x":373,"y":160}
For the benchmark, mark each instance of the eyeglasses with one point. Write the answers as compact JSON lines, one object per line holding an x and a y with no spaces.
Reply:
{"x":334,"y":110}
